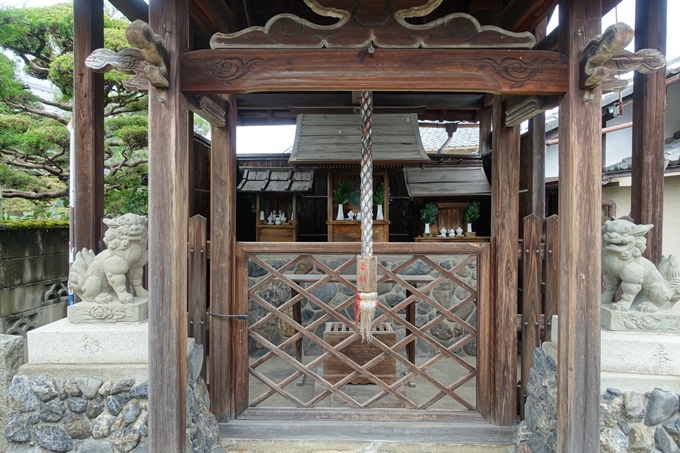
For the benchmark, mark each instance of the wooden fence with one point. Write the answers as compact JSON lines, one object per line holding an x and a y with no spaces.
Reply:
{"x":539,"y":287}
{"x":539,"y":265}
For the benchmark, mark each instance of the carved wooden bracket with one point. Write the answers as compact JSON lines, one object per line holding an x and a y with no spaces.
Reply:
{"x":379,"y":23}
{"x":148,"y":61}
{"x":604,"y":57}
{"x":522,"y":108}
{"x":209,"y":107}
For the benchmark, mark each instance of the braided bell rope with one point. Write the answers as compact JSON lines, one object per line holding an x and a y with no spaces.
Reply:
{"x":366,"y":173}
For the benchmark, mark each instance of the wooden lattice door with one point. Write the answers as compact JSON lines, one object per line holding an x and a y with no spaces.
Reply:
{"x":299,"y":348}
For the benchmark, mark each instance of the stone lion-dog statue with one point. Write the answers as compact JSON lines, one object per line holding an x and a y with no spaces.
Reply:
{"x":102,"y":278}
{"x":644,"y":287}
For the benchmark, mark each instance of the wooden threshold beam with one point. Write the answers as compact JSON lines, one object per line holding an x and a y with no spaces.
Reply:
{"x":519,"y":72}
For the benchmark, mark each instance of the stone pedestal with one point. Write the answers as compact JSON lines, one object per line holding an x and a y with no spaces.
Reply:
{"x":634,"y":360}
{"x":108,"y":350}
{"x":114,"y":312}
{"x":636,"y":321}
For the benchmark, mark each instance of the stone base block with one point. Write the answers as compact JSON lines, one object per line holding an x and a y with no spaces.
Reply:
{"x":137,"y":371}
{"x":636,"y":321}
{"x":64,"y":342}
{"x":638,"y":383}
{"x":640,"y":353}
{"x":92,"y":312}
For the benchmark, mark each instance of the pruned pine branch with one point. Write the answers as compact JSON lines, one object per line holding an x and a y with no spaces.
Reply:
{"x":9,"y":193}
{"x":36,"y":111}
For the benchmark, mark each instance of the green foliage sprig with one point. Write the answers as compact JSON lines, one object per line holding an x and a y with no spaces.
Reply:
{"x":343,"y":194}
{"x":429,"y":213}
{"x":472,"y":212}
{"x":379,"y":194}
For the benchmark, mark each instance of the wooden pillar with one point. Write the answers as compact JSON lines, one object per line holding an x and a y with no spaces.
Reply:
{"x":222,"y":239}
{"x":505,"y":230}
{"x":88,"y":125}
{"x":485,"y":115}
{"x":533,"y":157}
{"x":578,"y":409}
{"x":168,"y":216}
{"x":649,"y":115}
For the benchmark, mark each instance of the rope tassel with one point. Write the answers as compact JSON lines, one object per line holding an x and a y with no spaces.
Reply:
{"x":367,"y":264}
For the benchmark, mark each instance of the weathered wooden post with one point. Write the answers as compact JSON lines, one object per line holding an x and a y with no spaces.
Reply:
{"x":88,"y":125}
{"x":649,"y":115}
{"x":505,"y":230}
{"x":579,"y":210}
{"x":168,"y":218}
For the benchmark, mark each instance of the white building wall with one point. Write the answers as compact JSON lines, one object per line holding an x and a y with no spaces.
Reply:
{"x":671,"y":209}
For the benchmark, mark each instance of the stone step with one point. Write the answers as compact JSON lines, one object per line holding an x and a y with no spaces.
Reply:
{"x":266,"y":436}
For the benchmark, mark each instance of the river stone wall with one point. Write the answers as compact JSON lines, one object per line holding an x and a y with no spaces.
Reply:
{"x":629,"y":421}
{"x":447,"y":294}
{"x":89,"y":415}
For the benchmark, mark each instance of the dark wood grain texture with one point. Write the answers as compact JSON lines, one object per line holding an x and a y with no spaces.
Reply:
{"x":88,"y":123}
{"x":551,"y":275}
{"x":197,"y":273}
{"x":222,"y":237}
{"x":649,"y":114}
{"x":486,"y":345}
{"x":505,"y":230}
{"x":531,"y":296}
{"x":578,"y":369}
{"x":168,"y":215}
{"x":497,"y":71}
{"x":239,"y":336}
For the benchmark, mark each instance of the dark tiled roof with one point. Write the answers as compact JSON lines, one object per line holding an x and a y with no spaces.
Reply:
{"x":283,"y":179}
{"x":671,"y":151}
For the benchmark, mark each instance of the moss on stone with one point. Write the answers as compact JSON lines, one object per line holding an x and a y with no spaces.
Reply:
{"x":32,"y":224}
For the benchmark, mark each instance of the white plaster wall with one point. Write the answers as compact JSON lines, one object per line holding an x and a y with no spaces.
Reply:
{"x":671,"y":209}
{"x":619,"y":143}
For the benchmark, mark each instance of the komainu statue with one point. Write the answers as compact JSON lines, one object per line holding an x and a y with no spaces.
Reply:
{"x":644,"y":287}
{"x":100,"y":281}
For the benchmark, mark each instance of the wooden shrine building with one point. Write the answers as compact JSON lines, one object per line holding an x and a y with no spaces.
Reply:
{"x":263,"y":62}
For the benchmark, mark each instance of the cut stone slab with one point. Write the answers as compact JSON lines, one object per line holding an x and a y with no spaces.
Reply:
{"x":114,"y":312}
{"x":667,"y":321}
{"x":637,"y":361}
{"x":63,"y":342}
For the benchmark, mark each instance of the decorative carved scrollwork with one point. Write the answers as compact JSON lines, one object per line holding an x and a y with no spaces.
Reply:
{"x":604,"y":57}
{"x":514,"y":69}
{"x":381,"y":23}
{"x":226,"y":70}
{"x":148,"y":61}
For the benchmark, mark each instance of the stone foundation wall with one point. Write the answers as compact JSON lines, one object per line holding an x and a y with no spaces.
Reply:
{"x":34,"y":282}
{"x":447,"y":294}
{"x":86,"y":414}
{"x":629,"y":421}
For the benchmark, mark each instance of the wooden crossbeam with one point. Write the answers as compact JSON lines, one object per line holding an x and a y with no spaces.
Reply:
{"x":519,"y":72}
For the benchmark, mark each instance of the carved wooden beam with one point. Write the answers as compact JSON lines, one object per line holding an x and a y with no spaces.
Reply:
{"x":517,"y":72}
{"x":604,"y":57}
{"x":210,"y":107}
{"x":147,"y":61}
{"x":522,"y":108}
{"x":364,"y":23}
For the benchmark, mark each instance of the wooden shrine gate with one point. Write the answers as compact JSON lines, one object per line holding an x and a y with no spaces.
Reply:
{"x":288,"y":315}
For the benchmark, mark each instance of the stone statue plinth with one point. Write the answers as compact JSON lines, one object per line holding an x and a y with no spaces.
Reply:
{"x":90,"y":312}
{"x":667,"y":321}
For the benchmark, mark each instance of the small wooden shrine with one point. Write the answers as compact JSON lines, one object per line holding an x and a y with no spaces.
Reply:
{"x":486,"y":61}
